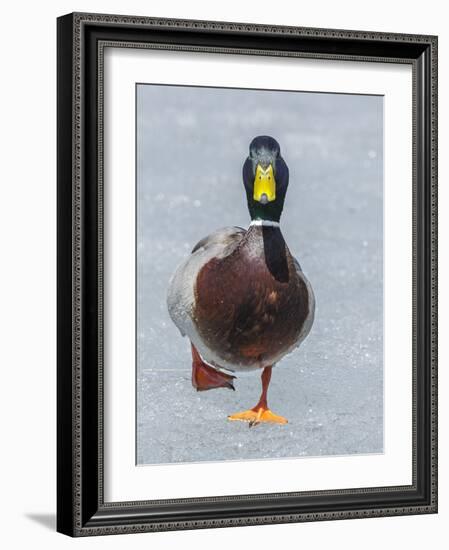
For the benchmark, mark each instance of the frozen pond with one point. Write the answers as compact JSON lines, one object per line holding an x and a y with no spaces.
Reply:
{"x":192,"y":143}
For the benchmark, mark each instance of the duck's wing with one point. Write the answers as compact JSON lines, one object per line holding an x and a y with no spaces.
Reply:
{"x":181,"y":289}
{"x":226,"y":237}
{"x":296,"y":264}
{"x":311,"y":302}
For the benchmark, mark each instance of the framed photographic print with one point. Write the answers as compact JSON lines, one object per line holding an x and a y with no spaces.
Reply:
{"x":247,"y":283}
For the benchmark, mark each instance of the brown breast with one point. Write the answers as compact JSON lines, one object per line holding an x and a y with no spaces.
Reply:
{"x":250,"y":306}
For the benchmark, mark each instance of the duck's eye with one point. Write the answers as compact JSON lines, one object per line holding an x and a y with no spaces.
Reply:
{"x":260,"y":177}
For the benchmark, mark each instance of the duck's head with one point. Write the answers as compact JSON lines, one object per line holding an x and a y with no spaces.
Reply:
{"x":265,"y":176}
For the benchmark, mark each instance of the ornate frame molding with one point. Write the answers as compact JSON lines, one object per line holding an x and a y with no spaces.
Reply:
{"x":81,"y":42}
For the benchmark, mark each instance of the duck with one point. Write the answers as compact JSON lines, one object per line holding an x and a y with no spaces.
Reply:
{"x":241,"y":297}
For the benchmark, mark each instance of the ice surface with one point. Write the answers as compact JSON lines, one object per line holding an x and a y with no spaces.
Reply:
{"x":192,"y":143}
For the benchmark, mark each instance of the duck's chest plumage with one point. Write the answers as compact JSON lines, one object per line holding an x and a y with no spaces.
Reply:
{"x":252,"y":306}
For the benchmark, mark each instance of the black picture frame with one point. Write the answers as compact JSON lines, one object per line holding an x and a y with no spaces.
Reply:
{"x":81,"y":509}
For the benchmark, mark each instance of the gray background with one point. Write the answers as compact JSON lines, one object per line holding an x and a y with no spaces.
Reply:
{"x":191,"y":144}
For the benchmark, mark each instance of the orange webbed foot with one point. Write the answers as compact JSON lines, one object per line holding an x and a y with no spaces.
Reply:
{"x":258,"y":415}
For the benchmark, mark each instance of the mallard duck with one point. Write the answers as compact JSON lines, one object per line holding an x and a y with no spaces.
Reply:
{"x":241,"y":297}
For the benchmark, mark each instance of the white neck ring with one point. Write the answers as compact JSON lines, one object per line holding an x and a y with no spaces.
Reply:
{"x":265,"y":223}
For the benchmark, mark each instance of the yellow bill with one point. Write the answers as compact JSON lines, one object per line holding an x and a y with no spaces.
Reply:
{"x":264,"y":185}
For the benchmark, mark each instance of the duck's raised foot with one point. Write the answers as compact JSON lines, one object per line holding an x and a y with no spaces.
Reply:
{"x":257,"y":415}
{"x":205,"y":377}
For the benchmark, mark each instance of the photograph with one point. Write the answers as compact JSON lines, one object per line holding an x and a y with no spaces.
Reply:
{"x":259,"y":274}
{"x":246,"y":272}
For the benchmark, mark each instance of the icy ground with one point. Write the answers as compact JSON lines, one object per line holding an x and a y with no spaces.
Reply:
{"x":191,"y":146}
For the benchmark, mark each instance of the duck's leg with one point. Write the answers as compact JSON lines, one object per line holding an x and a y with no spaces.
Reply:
{"x":205,"y":377}
{"x":261,"y":412}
